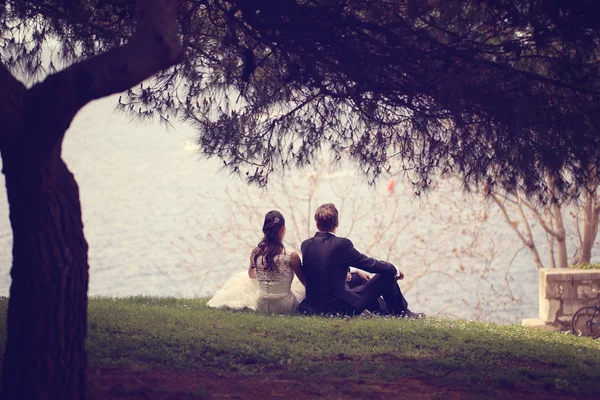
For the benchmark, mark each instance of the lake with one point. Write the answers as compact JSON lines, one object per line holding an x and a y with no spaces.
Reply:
{"x":161,"y":221}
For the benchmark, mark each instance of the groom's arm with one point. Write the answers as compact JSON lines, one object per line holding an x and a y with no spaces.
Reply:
{"x":356,"y":259}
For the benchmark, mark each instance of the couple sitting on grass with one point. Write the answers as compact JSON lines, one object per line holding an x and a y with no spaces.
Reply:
{"x":331,"y":277}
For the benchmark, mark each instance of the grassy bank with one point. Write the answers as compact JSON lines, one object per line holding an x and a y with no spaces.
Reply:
{"x":143,"y":334}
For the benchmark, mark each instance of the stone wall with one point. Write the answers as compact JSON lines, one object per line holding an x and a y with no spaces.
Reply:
{"x":562,"y":292}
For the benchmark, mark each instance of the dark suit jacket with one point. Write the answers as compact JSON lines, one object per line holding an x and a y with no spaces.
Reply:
{"x":325,"y":262}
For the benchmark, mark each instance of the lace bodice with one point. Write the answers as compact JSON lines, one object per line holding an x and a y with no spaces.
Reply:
{"x":282,"y":271}
{"x":274,"y":285}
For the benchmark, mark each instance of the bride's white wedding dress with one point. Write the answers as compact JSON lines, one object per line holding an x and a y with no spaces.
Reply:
{"x":275,"y":291}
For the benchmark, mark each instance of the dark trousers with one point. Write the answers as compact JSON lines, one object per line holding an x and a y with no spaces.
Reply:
{"x":380,"y":294}
{"x":382,"y":286}
{"x":372,"y":291}
{"x":374,"y":305}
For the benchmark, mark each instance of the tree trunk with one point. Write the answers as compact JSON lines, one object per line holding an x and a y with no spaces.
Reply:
{"x":47,"y":311}
{"x":590,"y":226}
{"x":551,"y":242}
{"x":47,"y":316}
{"x":559,"y":225}
{"x":561,"y":239}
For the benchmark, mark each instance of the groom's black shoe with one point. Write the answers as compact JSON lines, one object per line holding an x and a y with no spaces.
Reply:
{"x":412,"y":315}
{"x":306,"y":308}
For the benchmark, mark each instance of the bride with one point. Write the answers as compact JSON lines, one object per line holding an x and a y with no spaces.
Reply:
{"x":269,"y":285}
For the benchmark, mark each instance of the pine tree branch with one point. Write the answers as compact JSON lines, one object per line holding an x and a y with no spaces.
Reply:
{"x":154,"y":47}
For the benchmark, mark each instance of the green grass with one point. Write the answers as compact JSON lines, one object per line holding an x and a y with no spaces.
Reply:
{"x":144,"y":332}
{"x":585,"y":266}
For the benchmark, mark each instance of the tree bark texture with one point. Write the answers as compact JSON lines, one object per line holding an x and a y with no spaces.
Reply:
{"x":590,"y":228}
{"x":561,"y":240}
{"x":45,"y":354}
{"x":47,"y":317}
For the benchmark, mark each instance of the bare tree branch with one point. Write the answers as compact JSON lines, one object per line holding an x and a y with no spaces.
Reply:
{"x":512,"y":224}
{"x":547,"y":228}
{"x":527,"y":241}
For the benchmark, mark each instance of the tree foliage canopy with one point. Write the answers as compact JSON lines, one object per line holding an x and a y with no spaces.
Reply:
{"x":501,"y":93}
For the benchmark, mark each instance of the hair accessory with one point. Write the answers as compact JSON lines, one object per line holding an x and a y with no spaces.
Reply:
{"x":276,"y":220}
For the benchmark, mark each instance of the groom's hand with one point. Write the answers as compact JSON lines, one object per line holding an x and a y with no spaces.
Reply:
{"x":400,"y":276}
{"x":363,"y":275}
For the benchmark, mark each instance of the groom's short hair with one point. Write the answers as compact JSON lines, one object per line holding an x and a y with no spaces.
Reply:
{"x":326,"y":217}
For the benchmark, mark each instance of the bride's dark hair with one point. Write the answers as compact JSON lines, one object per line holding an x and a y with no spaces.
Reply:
{"x":270,"y":245}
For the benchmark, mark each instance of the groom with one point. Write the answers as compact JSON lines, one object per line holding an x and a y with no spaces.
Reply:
{"x":326,"y":259}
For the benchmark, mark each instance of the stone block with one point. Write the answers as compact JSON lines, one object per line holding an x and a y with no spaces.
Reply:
{"x":548,"y":310}
{"x":542,"y":287}
{"x":563,"y":291}
{"x":568,"y":274}
{"x":568,"y":291}
{"x":553,"y":290}
{"x":557,"y":274}
{"x":532,"y":322}
{"x":570,"y":307}
{"x":588,"y":292}
{"x":537,"y":323}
